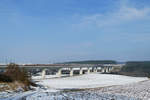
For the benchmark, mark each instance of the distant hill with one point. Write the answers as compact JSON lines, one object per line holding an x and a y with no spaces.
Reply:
{"x":137,"y":68}
{"x":92,"y":62}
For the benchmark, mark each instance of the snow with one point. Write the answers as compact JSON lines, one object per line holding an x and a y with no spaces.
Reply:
{"x":97,"y":87}
{"x":19,"y":96}
{"x":132,"y":91}
{"x":47,"y":76}
{"x":136,"y":90}
{"x":77,"y":96}
{"x":89,"y":81}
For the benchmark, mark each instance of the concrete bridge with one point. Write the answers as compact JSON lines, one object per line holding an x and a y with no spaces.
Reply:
{"x":59,"y":69}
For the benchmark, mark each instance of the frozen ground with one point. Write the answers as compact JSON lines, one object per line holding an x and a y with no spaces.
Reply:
{"x":100,"y":87}
{"x":89,"y":81}
{"x":135,"y":90}
{"x":77,"y":96}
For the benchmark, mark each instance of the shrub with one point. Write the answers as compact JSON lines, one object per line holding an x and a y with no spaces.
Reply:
{"x":4,"y":78}
{"x":17,"y":73}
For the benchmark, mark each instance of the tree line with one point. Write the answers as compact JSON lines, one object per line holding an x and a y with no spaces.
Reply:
{"x":136,"y":68}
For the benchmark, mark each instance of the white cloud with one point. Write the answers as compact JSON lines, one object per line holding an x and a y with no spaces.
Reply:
{"x":132,"y":13}
{"x":124,"y":14}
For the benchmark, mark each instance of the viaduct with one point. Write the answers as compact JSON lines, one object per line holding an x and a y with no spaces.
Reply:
{"x":59,"y":69}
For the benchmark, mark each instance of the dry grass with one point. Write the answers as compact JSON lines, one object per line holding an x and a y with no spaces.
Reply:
{"x":5,"y":86}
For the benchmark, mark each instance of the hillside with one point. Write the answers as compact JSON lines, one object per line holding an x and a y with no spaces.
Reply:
{"x":137,"y":68}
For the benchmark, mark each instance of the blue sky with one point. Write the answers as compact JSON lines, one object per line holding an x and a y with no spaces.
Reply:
{"x":46,"y":31}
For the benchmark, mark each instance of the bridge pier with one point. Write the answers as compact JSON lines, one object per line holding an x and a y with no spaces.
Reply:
{"x":107,"y":70}
{"x":71,"y":71}
{"x":59,"y":72}
{"x":43,"y":73}
{"x":88,"y":70}
{"x":103,"y":70}
{"x":111,"y":68}
{"x":95,"y":70}
{"x":81,"y":71}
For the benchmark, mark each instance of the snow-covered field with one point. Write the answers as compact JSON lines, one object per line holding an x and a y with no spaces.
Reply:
{"x":135,"y":90}
{"x":89,"y":81}
{"x":47,"y":77}
{"x":100,"y":87}
{"x":77,"y":96}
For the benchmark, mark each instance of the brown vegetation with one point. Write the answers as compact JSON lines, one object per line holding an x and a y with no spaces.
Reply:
{"x":14,"y":86}
{"x":4,"y":78}
{"x":15,"y":74}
